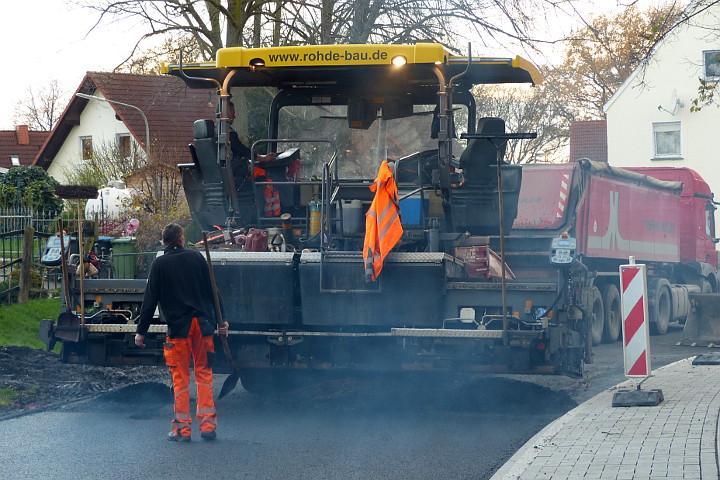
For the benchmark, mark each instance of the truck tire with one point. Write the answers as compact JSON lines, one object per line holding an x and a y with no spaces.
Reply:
{"x":597,"y":316}
{"x":660,"y":310}
{"x":613,"y":313}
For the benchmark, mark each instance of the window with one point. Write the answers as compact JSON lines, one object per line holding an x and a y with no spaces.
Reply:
{"x":123,"y":142}
{"x":15,"y":160}
{"x":711,"y":59}
{"x":86,"y":147}
{"x":666,"y":140}
{"x":710,"y":219}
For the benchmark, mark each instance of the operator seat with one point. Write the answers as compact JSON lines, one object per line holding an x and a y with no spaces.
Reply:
{"x":481,"y":153}
{"x":206,"y":150}
{"x":475,"y":204}
{"x":202,"y":180}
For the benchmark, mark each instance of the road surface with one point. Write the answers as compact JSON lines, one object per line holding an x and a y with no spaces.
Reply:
{"x":398,"y":427}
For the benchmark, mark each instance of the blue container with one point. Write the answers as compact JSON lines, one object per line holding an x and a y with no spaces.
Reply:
{"x":411,"y":210}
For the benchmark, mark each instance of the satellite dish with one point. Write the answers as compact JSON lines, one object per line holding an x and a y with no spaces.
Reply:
{"x":675,"y":102}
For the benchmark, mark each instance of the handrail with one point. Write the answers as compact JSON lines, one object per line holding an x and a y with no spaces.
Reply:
{"x":325,"y":191}
{"x":253,"y":163}
{"x":186,"y":77}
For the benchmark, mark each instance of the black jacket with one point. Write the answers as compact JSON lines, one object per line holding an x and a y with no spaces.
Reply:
{"x":239,"y":150}
{"x":179,"y":281}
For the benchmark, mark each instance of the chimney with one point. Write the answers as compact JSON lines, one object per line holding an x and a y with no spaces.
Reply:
{"x":588,"y":139}
{"x":23,"y":135}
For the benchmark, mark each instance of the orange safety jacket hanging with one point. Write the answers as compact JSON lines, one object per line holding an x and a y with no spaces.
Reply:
{"x":272,"y":196}
{"x":383,"y":228}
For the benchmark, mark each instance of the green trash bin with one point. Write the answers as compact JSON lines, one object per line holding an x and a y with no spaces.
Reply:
{"x":124,"y":258}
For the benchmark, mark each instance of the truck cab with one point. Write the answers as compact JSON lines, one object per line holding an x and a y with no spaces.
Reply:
{"x":698,"y":239}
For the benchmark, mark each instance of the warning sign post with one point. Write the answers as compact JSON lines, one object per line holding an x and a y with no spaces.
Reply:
{"x":636,"y":336}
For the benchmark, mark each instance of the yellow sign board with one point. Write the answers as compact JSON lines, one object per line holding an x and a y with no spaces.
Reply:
{"x":320,"y":55}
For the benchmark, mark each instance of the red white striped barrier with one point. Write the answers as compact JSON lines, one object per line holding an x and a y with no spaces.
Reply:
{"x":564,"y":191}
{"x":636,"y":331}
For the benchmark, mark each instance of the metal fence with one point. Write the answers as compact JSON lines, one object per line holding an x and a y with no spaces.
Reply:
{"x":12,"y":226}
{"x":19,"y":218}
{"x":116,"y":255}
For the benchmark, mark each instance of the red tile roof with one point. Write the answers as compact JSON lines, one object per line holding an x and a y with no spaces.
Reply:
{"x":170,"y":107}
{"x":21,"y":142}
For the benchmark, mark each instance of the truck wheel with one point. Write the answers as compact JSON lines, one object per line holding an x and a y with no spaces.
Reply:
{"x":660,"y":308}
{"x":613,"y":314}
{"x":597,"y":319}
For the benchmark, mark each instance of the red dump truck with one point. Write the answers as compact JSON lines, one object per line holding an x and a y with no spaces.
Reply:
{"x":663,"y":216}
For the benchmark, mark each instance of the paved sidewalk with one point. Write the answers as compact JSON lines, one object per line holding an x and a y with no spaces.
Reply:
{"x":677,"y":439}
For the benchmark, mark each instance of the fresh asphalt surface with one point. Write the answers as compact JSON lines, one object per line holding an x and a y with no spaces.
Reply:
{"x":399,"y":427}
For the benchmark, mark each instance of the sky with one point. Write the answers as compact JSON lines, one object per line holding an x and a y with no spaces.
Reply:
{"x":45,"y":40}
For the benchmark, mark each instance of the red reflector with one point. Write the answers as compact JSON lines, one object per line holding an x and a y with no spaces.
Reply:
{"x":540,"y":346}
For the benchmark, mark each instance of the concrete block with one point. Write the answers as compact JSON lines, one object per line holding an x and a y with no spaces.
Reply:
{"x":707,"y":359}
{"x":637,"y":398}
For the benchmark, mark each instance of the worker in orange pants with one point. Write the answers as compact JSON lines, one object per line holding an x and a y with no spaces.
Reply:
{"x":179,"y":281}
{"x":178,"y":352}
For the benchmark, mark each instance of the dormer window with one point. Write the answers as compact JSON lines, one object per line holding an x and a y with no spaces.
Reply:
{"x":15,"y":160}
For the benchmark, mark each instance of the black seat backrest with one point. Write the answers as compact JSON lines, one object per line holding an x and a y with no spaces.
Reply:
{"x":203,"y":129}
{"x":481,"y":153}
{"x":194,"y":156}
{"x":206,"y":150}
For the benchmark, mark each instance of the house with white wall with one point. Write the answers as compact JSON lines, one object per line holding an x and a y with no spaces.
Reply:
{"x":130,"y":112}
{"x":649,"y":122}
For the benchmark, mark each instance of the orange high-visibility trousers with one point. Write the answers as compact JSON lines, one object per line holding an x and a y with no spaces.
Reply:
{"x":178,"y":352}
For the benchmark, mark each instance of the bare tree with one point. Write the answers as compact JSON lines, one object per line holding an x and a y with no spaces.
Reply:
{"x":214,"y":24}
{"x":629,"y":42}
{"x":42,"y":107}
{"x":160,"y":181}
{"x":707,"y":87}
{"x":106,"y":163}
{"x":160,"y":199}
{"x":600,"y":56}
{"x":534,"y":110}
{"x":147,"y":61}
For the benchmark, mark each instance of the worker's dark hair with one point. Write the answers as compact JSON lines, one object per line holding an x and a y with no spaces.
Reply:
{"x":171,"y":234}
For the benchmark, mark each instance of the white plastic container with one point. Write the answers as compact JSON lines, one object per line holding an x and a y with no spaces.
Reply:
{"x":352,"y":217}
